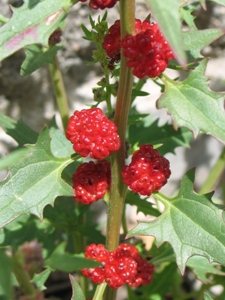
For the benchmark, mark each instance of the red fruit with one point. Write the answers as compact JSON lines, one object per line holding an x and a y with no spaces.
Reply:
{"x":96,"y":4}
{"x":144,"y":272}
{"x":91,"y":181}
{"x":147,"y":172}
{"x":92,"y":133}
{"x":111,"y":43}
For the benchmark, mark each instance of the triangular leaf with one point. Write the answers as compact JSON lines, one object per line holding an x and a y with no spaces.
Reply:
{"x":201,"y":267}
{"x":193,"y":105}
{"x":77,"y":291}
{"x":18,"y":130}
{"x":32,"y":23}
{"x":191,"y":223}
{"x":40,"y":279}
{"x":33,"y":182}
{"x":37,"y":57}
{"x":170,"y":24}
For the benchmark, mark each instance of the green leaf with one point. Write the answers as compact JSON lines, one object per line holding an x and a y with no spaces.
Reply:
{"x":32,"y":23}
{"x":168,"y":19}
{"x":222,"y":2}
{"x":148,"y":132}
{"x":18,"y":130}
{"x":12,"y":158}
{"x":193,"y":105}
{"x":33,"y":182}
{"x":60,"y":260}
{"x":37,"y":57}
{"x":196,"y":40}
{"x":191,"y":223}
{"x":207,"y":297}
{"x":77,"y":291}
{"x":5,"y":275}
{"x":142,"y":204}
{"x":40,"y":279}
{"x":201,"y":267}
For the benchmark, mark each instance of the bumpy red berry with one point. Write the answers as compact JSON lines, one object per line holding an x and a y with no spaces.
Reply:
{"x":96,"y":4}
{"x":92,"y":133}
{"x":147,"y":172}
{"x":112,"y":42}
{"x":148,"y":52}
{"x":91,"y":181}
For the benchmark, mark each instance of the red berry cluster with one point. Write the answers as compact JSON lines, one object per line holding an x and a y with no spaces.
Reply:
{"x":147,"y":51}
{"x":147,"y":172}
{"x":92,"y":133}
{"x":96,"y":4}
{"x":121,"y":266}
{"x":91,"y":181}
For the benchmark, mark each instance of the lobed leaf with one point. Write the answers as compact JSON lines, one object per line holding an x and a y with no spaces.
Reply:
{"x":33,"y":182}
{"x":191,"y":223}
{"x":32,"y":23}
{"x":193,"y":105}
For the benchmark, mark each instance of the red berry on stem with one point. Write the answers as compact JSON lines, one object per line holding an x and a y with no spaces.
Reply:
{"x":92,"y":133}
{"x":91,"y":181}
{"x":147,"y":172}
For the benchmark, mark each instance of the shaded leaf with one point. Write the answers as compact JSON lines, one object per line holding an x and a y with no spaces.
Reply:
{"x":18,"y":130}
{"x":193,"y":105}
{"x":12,"y":158}
{"x":77,"y":291}
{"x":33,"y":182}
{"x":37,"y":57}
{"x":148,"y":132}
{"x":32,"y":23}
{"x":191,"y":223}
{"x":170,"y":24}
{"x":201,"y":267}
{"x":5,"y":275}
{"x":66,"y":262}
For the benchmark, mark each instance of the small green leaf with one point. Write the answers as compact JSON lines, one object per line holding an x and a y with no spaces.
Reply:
{"x":169,"y":21}
{"x":77,"y":291}
{"x":5,"y":275}
{"x":191,"y":223}
{"x":37,"y":57}
{"x":207,"y":297}
{"x":18,"y":130}
{"x":33,"y":182}
{"x":32,"y":23}
{"x":148,"y":132}
{"x":193,"y":105}
{"x":201,"y":267}
{"x":40,"y":279}
{"x":66,"y":262}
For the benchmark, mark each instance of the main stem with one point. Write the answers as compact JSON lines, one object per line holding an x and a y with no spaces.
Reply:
{"x":118,"y":189}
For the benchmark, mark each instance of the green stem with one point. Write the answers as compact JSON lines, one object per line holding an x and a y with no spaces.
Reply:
{"x":60,"y":91}
{"x":108,"y":94}
{"x":118,"y":188}
{"x":214,"y":175}
{"x":100,"y":291}
{"x":23,"y":278}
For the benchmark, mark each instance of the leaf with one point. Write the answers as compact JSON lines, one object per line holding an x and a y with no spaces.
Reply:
{"x":33,"y":182}
{"x":141,"y":204}
{"x":77,"y":291}
{"x":207,"y":297}
{"x":5,"y":275}
{"x":12,"y":158}
{"x":148,"y":132}
{"x":201,"y":267}
{"x":40,"y":279}
{"x":37,"y":57}
{"x":18,"y":130}
{"x":32,"y":23}
{"x":66,"y":262}
{"x":168,"y":19}
{"x":193,"y":105}
{"x":195,"y":40}
{"x":191,"y":223}
{"x":222,"y":2}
